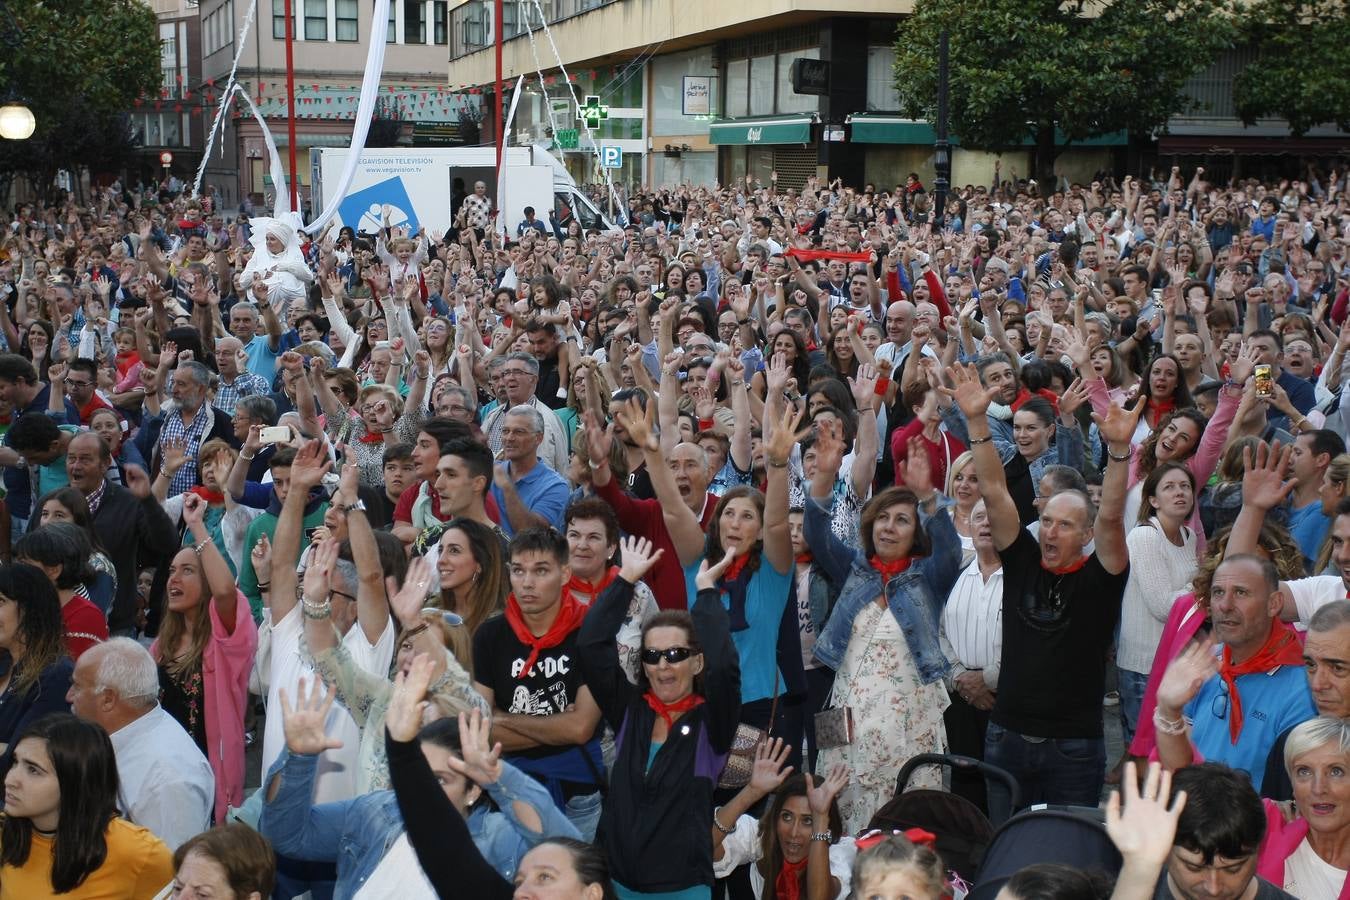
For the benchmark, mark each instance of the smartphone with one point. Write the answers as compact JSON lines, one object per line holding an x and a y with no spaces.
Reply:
{"x":1265,"y":381}
{"x":276,"y":434}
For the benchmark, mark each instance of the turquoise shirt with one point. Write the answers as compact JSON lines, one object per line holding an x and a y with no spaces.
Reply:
{"x":766,"y":597}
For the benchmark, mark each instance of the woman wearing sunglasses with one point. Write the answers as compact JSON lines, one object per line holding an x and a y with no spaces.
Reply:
{"x":675,"y":729}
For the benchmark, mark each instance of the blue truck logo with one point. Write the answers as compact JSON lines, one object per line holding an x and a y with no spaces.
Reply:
{"x":361,"y":210}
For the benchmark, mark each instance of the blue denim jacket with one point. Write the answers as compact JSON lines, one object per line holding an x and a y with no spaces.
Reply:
{"x":915,"y":597}
{"x":356,"y":834}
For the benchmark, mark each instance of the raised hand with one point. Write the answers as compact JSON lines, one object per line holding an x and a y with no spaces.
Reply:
{"x":970,"y":395}
{"x":1241,"y":369}
{"x":262,"y":554}
{"x":194,"y":511}
{"x":321,"y":561}
{"x":770,"y":770}
{"x":1074,"y":396}
{"x":408,"y":600}
{"x":481,"y":760}
{"x":137,"y":481}
{"x":864,"y":386}
{"x":174,"y":454}
{"x":304,"y":722}
{"x":779,"y":447}
{"x":310,"y":465}
{"x":918,"y":469}
{"x":638,"y":423}
{"x":599,"y":439}
{"x":820,"y":792}
{"x":404,"y":716}
{"x":1263,"y":482}
{"x":637,"y":558}
{"x":1184,"y":676}
{"x":708,"y":575}
{"x":1144,"y":831}
{"x":1118,"y":425}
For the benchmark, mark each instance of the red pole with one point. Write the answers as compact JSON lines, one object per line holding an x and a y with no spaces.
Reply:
{"x":500,"y":109}
{"x":290,"y":102}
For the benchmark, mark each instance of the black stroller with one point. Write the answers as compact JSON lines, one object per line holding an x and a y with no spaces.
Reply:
{"x":962,"y":830}
{"x":1071,"y":835}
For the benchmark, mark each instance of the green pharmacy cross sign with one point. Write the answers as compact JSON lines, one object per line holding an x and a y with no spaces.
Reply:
{"x":592,"y":111}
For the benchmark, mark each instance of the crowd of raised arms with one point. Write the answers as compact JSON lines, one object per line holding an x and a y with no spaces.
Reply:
{"x":542,"y":563}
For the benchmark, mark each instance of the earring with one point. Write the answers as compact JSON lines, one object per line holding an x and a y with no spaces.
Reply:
{"x":476,"y":572}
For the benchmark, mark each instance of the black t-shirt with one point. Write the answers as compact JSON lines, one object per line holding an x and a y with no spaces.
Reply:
{"x":1264,"y":890}
{"x":1276,"y":784}
{"x":551,"y":685}
{"x":1057,"y":630}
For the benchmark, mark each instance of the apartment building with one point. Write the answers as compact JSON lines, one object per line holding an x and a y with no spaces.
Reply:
{"x":331,"y":41}
{"x":172,"y":121}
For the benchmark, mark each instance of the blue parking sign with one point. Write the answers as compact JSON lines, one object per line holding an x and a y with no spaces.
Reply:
{"x":611,"y":157}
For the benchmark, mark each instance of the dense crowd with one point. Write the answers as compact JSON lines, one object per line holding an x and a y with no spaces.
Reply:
{"x":554,"y":564}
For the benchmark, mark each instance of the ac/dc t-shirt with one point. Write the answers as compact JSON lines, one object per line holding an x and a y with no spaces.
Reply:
{"x":547,"y":689}
{"x":1057,"y":630}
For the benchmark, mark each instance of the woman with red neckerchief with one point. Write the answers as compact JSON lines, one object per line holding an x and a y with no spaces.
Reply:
{"x":882,"y":636}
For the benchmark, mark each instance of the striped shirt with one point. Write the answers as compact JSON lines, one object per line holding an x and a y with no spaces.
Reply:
{"x":245,"y":384}
{"x":972,"y":622}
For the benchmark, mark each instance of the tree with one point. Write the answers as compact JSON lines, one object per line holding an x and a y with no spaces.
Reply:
{"x":79,"y":65}
{"x":1301,"y":72}
{"x":1024,"y":69}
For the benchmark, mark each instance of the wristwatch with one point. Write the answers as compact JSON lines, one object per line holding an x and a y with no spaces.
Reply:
{"x":357,"y":504}
{"x":827,"y":836}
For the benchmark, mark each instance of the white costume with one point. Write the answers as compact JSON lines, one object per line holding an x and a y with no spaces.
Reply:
{"x":285,"y":273}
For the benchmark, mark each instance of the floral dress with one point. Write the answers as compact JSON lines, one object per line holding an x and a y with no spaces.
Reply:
{"x":895,"y":717}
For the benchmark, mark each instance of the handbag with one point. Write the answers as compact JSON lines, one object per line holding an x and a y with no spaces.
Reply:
{"x":834,"y":726}
{"x":741,"y":757}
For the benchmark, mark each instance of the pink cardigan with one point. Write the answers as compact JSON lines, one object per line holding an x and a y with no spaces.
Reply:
{"x":1183,"y":622}
{"x":1281,"y":840}
{"x":226,"y":662}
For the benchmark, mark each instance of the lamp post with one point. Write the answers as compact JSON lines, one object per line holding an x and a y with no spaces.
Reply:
{"x":942,"y":149}
{"x":16,"y":121}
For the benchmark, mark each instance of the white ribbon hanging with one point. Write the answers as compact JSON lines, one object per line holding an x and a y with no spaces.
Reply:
{"x":282,"y":207}
{"x":217,"y":126}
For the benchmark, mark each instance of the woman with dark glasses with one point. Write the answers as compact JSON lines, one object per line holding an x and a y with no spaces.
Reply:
{"x":674,"y":728}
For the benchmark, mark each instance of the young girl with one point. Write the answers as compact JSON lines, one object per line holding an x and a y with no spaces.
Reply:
{"x":896,"y":868}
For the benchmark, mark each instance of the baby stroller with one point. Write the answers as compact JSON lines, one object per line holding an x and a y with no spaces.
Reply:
{"x":963,"y":832}
{"x":1071,"y":835}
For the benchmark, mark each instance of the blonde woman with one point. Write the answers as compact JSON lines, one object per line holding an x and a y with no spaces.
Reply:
{"x":963,"y":486}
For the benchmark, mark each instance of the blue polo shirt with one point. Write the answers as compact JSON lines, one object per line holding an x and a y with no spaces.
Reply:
{"x":543,"y":491}
{"x":766,"y":597}
{"x":1309,"y":527}
{"x":1272,"y":703}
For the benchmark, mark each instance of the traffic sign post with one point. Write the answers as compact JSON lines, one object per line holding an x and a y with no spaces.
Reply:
{"x":611,"y":157}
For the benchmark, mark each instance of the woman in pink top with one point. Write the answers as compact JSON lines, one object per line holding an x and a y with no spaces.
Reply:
{"x":1307,"y":854}
{"x":1190,"y":613}
{"x":204,"y":652}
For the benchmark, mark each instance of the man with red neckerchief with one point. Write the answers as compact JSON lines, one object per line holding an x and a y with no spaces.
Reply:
{"x":527,"y":668}
{"x":1060,"y":608}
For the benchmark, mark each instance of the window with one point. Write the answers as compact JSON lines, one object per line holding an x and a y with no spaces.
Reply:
{"x":789,"y":102}
{"x":738,"y":91}
{"x":279,"y":19}
{"x":316,"y":20}
{"x":881,"y":92}
{"x":345,"y":22}
{"x":761,"y":85}
{"x":439,"y":21}
{"x":414,"y":22}
{"x":392,"y":34}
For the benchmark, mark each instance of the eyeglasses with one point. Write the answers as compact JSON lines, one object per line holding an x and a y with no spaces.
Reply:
{"x":672,"y":655}
{"x":516,"y":373}
{"x":77,"y":384}
{"x":332,"y":594}
{"x":1219,"y":705}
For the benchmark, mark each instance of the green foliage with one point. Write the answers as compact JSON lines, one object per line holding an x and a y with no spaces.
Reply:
{"x":1021,"y":68}
{"x":1302,"y":71}
{"x":79,"y":65}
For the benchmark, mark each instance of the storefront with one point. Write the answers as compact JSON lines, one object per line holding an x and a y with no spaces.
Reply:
{"x":761,"y":145}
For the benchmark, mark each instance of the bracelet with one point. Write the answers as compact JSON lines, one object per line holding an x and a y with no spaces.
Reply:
{"x":310,"y":610}
{"x":249,"y":456}
{"x":264,"y":585}
{"x":1112,"y":456}
{"x":776,"y":465}
{"x":198,"y":549}
{"x":718,"y":825}
{"x":883,"y":384}
{"x":706,"y":424}
{"x":984,"y":440}
{"x":1169,"y":726}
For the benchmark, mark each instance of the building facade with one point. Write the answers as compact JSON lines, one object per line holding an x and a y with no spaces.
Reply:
{"x":172,"y":122}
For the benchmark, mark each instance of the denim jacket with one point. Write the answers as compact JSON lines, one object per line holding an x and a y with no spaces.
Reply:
{"x":356,"y":834}
{"x":915,"y":597}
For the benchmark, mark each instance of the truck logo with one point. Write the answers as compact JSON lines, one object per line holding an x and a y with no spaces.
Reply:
{"x":754,"y":135}
{"x":361,"y":209}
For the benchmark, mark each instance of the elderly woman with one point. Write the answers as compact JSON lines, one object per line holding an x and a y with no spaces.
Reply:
{"x":1308,"y":854}
{"x":277,"y":262}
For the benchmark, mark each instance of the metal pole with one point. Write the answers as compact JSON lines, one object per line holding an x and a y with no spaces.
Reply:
{"x":290,"y":103}
{"x":942,"y":150}
{"x":499,"y":107}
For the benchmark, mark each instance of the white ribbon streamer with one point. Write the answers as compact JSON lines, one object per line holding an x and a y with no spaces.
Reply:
{"x":217,"y":126}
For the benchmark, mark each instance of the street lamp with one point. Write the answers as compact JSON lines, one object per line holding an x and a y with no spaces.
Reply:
{"x":16,"y":121}
{"x":942,"y":159}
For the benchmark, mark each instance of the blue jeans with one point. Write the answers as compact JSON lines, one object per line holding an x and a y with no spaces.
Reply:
{"x":1131,"y":687}
{"x":1067,"y":771}
{"x":583,"y":811}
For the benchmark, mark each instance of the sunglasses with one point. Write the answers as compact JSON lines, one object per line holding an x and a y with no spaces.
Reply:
{"x":672,"y":655}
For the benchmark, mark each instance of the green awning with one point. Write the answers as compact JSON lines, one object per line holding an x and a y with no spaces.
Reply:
{"x":877,"y":128}
{"x":767,"y":130}
{"x":313,"y":140}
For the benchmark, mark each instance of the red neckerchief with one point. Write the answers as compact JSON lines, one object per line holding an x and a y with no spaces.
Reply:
{"x":1023,"y":395}
{"x":889,"y":570}
{"x":372,"y":437}
{"x":570,"y":614}
{"x":125,"y":360}
{"x":809,"y":255}
{"x":735,"y":567}
{"x":1280,"y":649}
{"x":577,"y":584}
{"x":805,"y":559}
{"x":213,"y":498}
{"x":1067,"y":570}
{"x":95,"y":402}
{"x":788,"y":884}
{"x":664,"y":710}
{"x":1159,"y":408}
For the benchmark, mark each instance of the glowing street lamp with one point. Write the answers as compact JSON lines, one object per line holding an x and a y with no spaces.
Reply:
{"x":16,"y":121}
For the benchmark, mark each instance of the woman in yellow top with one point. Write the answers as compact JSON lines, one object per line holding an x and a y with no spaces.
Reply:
{"x":61,"y":833}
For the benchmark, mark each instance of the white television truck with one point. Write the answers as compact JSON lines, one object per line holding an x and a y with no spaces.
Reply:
{"x":423,"y":184}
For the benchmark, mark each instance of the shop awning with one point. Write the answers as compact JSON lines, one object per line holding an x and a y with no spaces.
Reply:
{"x":763,"y":130}
{"x":880,"y":128}
{"x":313,"y":140}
